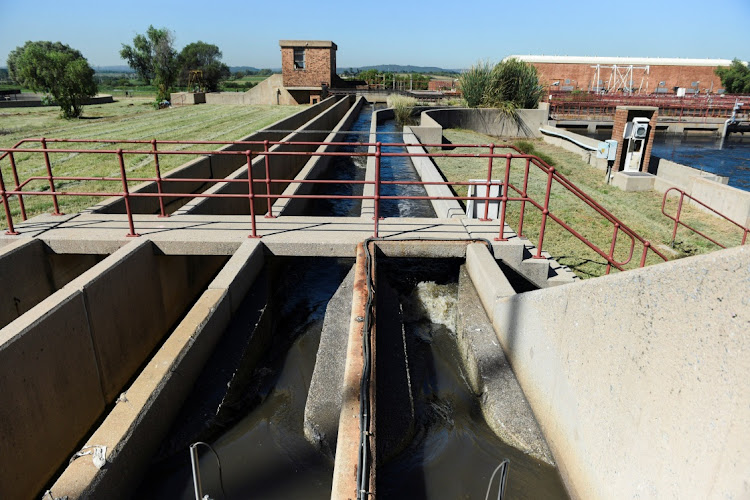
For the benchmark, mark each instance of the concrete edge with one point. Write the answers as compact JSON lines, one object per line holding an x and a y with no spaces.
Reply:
{"x":489,"y":281}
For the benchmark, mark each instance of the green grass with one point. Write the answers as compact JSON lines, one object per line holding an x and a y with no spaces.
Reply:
{"x":132,"y":118}
{"x":640,"y":211}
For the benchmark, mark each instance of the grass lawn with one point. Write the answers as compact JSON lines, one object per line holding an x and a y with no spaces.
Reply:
{"x":129,"y":118}
{"x":640,"y":211}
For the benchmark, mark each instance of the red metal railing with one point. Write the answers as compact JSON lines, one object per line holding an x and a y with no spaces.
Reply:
{"x":249,"y":150}
{"x":713,"y":106}
{"x":678,"y":222}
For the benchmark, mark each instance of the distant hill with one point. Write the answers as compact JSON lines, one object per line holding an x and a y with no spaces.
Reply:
{"x":398,"y":68}
{"x":113,"y":69}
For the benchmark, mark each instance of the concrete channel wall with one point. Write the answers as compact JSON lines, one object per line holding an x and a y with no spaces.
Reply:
{"x":69,"y":357}
{"x":30,"y":272}
{"x":281,"y":167}
{"x":208,"y":166}
{"x":317,"y":166}
{"x":135,"y":426}
{"x":639,"y":379}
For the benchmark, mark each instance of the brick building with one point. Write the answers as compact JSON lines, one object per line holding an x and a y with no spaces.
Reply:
{"x":308,"y":68}
{"x":645,"y":75}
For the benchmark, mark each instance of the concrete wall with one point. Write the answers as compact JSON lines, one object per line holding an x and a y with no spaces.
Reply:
{"x":134,"y":429}
{"x":569,"y":144}
{"x":316,"y":167}
{"x":483,"y":120}
{"x":428,"y":172}
{"x":281,"y":167}
{"x":99,"y":99}
{"x":30,"y":272}
{"x":269,"y":91}
{"x":639,"y":379}
{"x":70,"y":356}
{"x":208,"y":167}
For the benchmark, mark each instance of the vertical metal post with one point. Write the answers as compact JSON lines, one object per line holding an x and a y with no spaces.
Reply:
{"x":744,"y":236}
{"x":251,"y":192}
{"x":524,"y":194}
{"x":162,"y":212}
{"x":489,"y":180}
{"x":545,"y":212}
{"x":377,"y":188}
{"x":11,"y":230}
{"x":195,"y":463}
{"x":504,"y":198}
{"x":646,"y":246}
{"x":677,"y":218}
{"x":126,"y":194}
{"x":612,"y":247}
{"x":49,"y":177}
{"x":269,"y":213}
{"x":18,"y":184}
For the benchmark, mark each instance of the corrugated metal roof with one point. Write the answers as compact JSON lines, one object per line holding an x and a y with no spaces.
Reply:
{"x":624,"y":61}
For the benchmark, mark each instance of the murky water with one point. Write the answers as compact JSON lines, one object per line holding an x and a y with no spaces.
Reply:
{"x":453,"y":452}
{"x":264,"y":453}
{"x":398,"y":168}
{"x":345,"y":168}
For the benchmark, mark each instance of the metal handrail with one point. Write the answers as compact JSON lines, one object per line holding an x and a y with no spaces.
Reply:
{"x":253,"y":149}
{"x":678,"y":222}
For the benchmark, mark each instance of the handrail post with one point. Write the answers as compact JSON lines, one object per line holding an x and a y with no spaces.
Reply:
{"x":126,"y":195}
{"x":251,"y":193}
{"x":49,"y":177}
{"x":677,"y":218}
{"x":11,"y":230}
{"x":489,"y":180}
{"x":376,"y":196}
{"x":646,"y":246}
{"x":18,"y":184}
{"x":525,"y":195}
{"x":503,"y":198}
{"x":545,"y":212}
{"x":611,"y":256}
{"x":269,"y":213}
{"x":162,"y":212}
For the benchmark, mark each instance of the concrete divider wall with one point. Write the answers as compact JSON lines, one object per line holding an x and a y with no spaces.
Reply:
{"x":483,"y":120}
{"x":69,"y":357}
{"x":316,"y":166}
{"x":281,"y":167}
{"x":136,"y":425}
{"x":30,"y":272}
{"x":639,"y":379}
{"x":208,"y":166}
{"x":428,"y":172}
{"x":587,"y":155}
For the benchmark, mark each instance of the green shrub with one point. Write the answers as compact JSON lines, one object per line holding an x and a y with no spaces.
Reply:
{"x":509,"y":85}
{"x":403,"y":107}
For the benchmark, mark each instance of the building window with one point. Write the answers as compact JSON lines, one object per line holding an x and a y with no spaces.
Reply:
{"x":299,"y":58}
{"x":694,"y":84}
{"x":662,"y":84}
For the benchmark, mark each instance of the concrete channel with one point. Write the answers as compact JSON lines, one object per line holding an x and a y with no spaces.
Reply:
{"x":113,"y":350}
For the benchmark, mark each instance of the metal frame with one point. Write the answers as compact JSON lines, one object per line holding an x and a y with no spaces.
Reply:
{"x":252,"y":149}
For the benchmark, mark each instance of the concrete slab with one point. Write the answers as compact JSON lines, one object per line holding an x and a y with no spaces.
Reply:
{"x":324,"y":399}
{"x":503,"y":403}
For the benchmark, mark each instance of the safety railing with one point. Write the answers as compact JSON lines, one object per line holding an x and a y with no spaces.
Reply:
{"x":260,"y":188}
{"x":678,"y":222}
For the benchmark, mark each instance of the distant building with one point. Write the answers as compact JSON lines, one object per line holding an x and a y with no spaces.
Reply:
{"x":645,"y":75}
{"x":308,"y":68}
{"x":449,"y":85}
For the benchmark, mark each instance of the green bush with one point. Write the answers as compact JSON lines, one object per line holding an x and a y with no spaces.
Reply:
{"x":509,"y":85}
{"x":403,"y":107}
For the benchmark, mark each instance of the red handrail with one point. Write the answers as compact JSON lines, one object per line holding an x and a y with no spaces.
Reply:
{"x":252,"y":149}
{"x":678,"y":222}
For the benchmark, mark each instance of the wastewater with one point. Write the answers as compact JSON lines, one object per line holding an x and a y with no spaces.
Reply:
{"x":253,"y":418}
{"x":453,"y":452}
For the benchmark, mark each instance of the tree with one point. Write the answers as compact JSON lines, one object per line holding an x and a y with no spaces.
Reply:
{"x":735,"y":78}
{"x":206,"y":58}
{"x":56,"y":69}
{"x":154,"y":59}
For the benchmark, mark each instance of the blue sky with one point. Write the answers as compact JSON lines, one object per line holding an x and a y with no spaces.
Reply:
{"x":451,"y":34}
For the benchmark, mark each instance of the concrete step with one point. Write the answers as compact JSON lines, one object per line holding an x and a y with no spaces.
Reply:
{"x":324,"y":400}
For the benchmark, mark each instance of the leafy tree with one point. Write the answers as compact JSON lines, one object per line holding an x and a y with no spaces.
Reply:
{"x":154,"y":59}
{"x":735,"y":78}
{"x":206,"y":58}
{"x":56,"y":69}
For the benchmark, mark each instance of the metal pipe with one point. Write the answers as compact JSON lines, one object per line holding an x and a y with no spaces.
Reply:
{"x":194,"y":462}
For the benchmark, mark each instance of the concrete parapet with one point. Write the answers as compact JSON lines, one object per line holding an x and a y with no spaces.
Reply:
{"x":133,"y":429}
{"x":579,"y":144}
{"x":638,"y":379}
{"x":489,"y":374}
{"x":633,"y":181}
{"x":485,"y":121}
{"x":428,"y":172}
